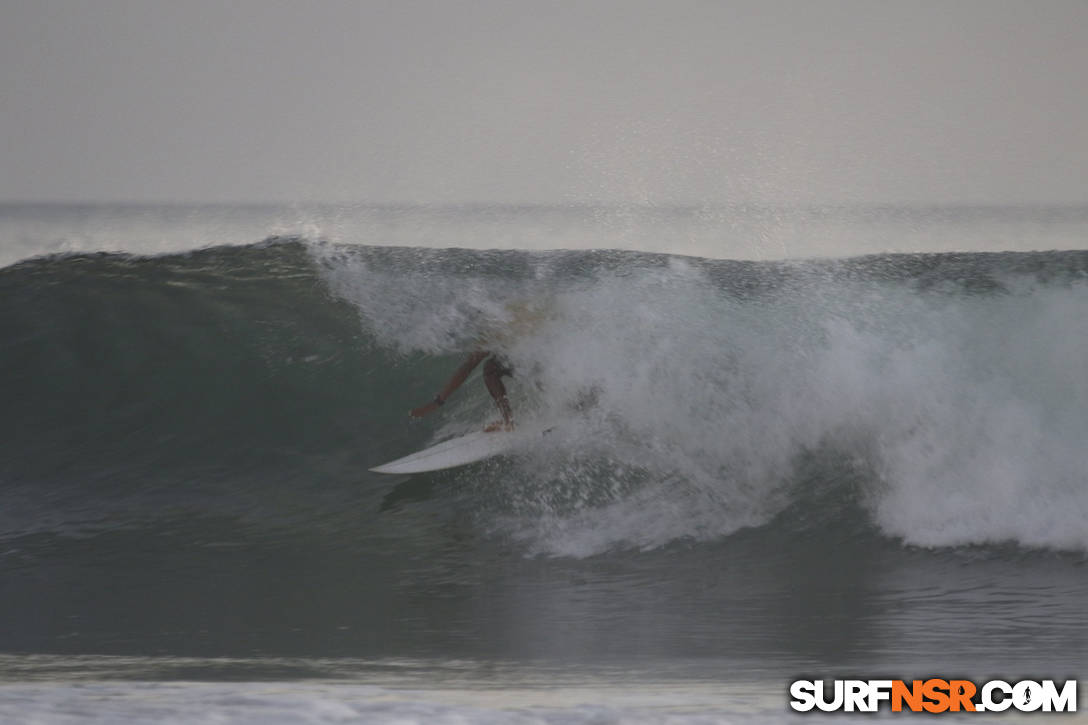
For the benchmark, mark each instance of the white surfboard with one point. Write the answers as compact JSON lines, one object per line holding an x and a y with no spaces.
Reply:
{"x":455,"y":452}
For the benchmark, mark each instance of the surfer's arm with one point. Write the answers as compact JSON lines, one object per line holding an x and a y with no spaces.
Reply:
{"x":459,"y":376}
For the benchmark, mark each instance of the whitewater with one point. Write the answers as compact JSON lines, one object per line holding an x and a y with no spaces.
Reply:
{"x":761,"y":466}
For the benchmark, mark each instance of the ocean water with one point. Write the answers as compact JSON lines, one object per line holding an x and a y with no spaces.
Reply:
{"x":763,"y":467}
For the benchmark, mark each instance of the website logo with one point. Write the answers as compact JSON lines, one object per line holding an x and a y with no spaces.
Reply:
{"x":933,"y":695}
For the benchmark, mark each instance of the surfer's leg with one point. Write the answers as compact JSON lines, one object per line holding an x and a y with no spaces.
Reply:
{"x":493,"y":374}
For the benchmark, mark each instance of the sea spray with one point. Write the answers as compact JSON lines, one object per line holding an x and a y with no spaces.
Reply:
{"x":962,"y":398}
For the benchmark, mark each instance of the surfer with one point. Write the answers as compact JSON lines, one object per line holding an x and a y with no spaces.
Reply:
{"x":494,"y":371}
{"x":521,"y":319}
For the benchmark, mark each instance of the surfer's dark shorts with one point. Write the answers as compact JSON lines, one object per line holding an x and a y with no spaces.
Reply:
{"x":500,"y":365}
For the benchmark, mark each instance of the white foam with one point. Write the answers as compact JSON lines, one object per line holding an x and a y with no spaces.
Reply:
{"x":969,"y":412}
{"x":300,"y":703}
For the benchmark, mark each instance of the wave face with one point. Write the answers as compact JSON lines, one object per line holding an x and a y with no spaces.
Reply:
{"x":922,"y":400}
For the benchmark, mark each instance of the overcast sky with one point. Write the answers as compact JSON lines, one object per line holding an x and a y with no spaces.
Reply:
{"x":569,"y":102}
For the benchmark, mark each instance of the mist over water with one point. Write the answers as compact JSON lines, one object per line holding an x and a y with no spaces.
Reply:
{"x":735,"y":231}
